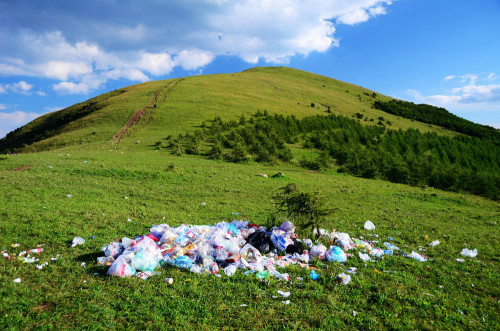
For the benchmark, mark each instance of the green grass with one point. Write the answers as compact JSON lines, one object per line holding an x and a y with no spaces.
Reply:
{"x":35,"y":210}
{"x":183,"y":104}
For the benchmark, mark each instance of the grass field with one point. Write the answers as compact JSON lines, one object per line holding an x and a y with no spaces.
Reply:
{"x":128,"y":181}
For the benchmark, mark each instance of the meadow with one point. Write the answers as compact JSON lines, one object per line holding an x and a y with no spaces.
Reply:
{"x":110,"y":184}
{"x":64,"y":176}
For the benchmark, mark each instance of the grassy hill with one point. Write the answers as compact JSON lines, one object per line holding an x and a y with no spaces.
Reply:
{"x":182,"y":104}
{"x":77,"y":180}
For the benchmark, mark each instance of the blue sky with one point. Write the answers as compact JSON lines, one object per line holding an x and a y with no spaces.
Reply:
{"x":57,"y":53}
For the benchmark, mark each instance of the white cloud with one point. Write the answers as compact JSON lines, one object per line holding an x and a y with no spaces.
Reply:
{"x":156,"y":64}
{"x":472,"y":78}
{"x":193,"y":59}
{"x":97,"y":47}
{"x":471,"y":99}
{"x":358,"y":16}
{"x":21,"y":87}
{"x":72,"y":88}
{"x":63,"y":70}
{"x":471,"y":93}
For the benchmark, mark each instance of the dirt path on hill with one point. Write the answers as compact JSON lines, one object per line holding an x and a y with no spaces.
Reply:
{"x":146,"y":110}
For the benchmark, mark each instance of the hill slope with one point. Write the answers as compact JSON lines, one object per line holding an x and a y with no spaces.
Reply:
{"x":176,"y":105}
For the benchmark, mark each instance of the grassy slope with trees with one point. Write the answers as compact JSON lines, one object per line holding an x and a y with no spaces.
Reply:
{"x":112,"y":183}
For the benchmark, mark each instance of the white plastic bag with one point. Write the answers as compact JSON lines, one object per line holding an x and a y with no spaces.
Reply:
{"x":77,"y":241}
{"x":469,"y":253}
{"x":343,"y":279}
{"x":230,"y":270}
{"x":288,"y":227}
{"x":318,"y":252}
{"x":369,"y":225}
{"x":121,"y":268}
{"x":364,"y":257}
{"x":434,"y":243}
{"x":251,"y":254}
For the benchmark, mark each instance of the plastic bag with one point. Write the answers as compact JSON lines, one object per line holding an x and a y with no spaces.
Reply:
{"x":343,"y":240}
{"x":145,"y":261}
{"x":158,"y":230}
{"x":77,"y":241}
{"x":260,"y":240}
{"x":469,"y":253}
{"x":168,"y":236}
{"x":182,"y":240}
{"x":121,"y":268}
{"x":114,"y":249}
{"x":230,"y":270}
{"x":182,"y":262}
{"x":343,"y":279}
{"x":288,"y":227}
{"x":369,"y":225}
{"x":377,"y":252}
{"x":434,"y":243}
{"x":280,"y":276}
{"x":391,"y":246}
{"x":251,"y":254}
{"x":364,"y":257}
{"x":195,"y":268}
{"x":280,"y":240}
{"x":318,"y":252}
{"x":127,"y":242}
{"x":336,"y":254}
{"x":418,"y":257}
{"x":263,"y":274}
{"x":233,"y":231}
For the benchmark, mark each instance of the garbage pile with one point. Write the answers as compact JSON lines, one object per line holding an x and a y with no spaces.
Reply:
{"x":232,"y":247}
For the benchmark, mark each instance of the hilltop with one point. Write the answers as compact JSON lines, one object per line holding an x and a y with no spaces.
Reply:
{"x":177,"y":105}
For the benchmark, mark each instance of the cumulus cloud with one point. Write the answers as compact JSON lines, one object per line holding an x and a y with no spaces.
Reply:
{"x":72,"y":88}
{"x":105,"y":40}
{"x":19,"y":87}
{"x":192,"y":59}
{"x":473,"y":94}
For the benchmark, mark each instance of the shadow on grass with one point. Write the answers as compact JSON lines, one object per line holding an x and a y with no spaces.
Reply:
{"x":90,"y":259}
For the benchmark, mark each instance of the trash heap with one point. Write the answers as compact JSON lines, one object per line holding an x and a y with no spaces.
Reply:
{"x":234,"y":246}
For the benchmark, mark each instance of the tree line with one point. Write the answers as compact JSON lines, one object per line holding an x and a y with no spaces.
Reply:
{"x":461,"y":163}
{"x":438,"y":116}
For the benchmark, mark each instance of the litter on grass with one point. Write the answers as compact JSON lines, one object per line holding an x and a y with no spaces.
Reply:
{"x":369,"y":225}
{"x":239,"y":246}
{"x":469,"y":252}
{"x":77,"y":241}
